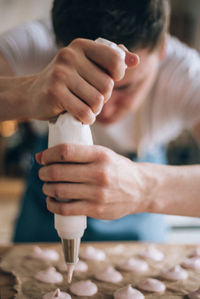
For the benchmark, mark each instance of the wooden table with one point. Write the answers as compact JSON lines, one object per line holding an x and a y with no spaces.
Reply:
{"x":7,"y":280}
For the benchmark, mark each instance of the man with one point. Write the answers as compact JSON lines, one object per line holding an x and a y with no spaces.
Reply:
{"x":148,"y":107}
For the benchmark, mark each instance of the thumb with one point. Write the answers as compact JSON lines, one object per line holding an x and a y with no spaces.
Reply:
{"x":131,"y":59}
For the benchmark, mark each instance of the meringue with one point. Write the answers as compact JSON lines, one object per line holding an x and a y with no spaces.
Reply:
{"x":128,"y":293}
{"x":45,"y":254}
{"x":175,"y":273}
{"x":92,"y":253}
{"x":152,"y":285}
{"x":84,"y":288}
{"x":109,"y":275}
{"x":134,"y":265}
{"x":57,"y":294}
{"x":152,"y":253}
{"x":192,"y":263}
{"x":50,"y":275}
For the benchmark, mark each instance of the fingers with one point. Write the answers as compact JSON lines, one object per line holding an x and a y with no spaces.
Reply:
{"x":97,"y":78}
{"x":70,"y":209}
{"x":77,"y":153}
{"x":131,"y":59}
{"x":87,"y":92}
{"x":68,"y":191}
{"x":76,"y":173}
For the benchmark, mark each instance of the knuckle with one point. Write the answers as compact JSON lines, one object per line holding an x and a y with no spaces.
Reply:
{"x":66,"y":55}
{"x":108,"y":87}
{"x":104,"y":155}
{"x":58,"y":74}
{"x":53,"y":91}
{"x":102,"y":177}
{"x":85,"y":114}
{"x":98,"y":103}
{"x":62,"y":209}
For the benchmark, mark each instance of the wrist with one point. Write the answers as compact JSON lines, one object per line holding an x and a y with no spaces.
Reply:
{"x":14,"y":98}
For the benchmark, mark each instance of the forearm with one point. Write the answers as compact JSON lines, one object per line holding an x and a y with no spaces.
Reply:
{"x":14,"y":102}
{"x":173,"y":190}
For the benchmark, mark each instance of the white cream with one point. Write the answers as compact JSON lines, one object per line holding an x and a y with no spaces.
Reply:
{"x":92,"y":253}
{"x":152,"y":285}
{"x":152,"y":253}
{"x":57,"y":294}
{"x":45,"y":254}
{"x":84,"y":288}
{"x":109,"y":275}
{"x":50,"y":275}
{"x":134,"y":265}
{"x":175,"y":273}
{"x":192,"y":263}
{"x":128,"y":293}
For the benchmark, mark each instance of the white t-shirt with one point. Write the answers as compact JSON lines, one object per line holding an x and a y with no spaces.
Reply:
{"x":173,"y":103}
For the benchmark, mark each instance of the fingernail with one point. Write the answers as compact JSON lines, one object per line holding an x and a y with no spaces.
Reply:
{"x":38,"y":157}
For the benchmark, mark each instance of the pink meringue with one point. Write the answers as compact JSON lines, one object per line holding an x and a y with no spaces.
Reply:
{"x":152,"y":253}
{"x":175,"y":273}
{"x":196,"y":252}
{"x":92,"y":253}
{"x":109,"y":275}
{"x":194,"y":294}
{"x":152,"y":285}
{"x":84,"y":288}
{"x":128,"y":293}
{"x":134,"y":265}
{"x":192,"y":263}
{"x":45,"y":254}
{"x":57,"y":294}
{"x":50,"y":275}
{"x":79,"y":267}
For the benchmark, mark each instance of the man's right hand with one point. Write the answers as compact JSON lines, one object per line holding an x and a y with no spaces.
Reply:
{"x":79,"y":80}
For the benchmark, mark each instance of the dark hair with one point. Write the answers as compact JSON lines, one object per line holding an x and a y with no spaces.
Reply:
{"x":137,"y":24}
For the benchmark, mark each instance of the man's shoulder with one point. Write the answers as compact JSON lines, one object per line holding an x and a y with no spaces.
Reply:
{"x":177,"y":51}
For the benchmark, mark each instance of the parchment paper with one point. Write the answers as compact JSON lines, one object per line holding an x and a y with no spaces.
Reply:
{"x":24,"y":268}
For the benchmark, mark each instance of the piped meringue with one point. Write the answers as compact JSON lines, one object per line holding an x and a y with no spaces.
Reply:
{"x":45,"y":254}
{"x":57,"y":294}
{"x":84,"y":288}
{"x":128,"y":293}
{"x":109,"y":275}
{"x":134,"y":265}
{"x":152,"y":253}
{"x":192,"y":263}
{"x":175,"y":273}
{"x":92,"y":253}
{"x":152,"y":285}
{"x":50,"y":275}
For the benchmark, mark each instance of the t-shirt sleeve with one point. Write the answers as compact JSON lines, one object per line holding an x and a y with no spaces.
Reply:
{"x":28,"y":48}
{"x":180,"y":85}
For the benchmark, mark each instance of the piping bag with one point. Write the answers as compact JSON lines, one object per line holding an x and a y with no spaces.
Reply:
{"x":66,"y":129}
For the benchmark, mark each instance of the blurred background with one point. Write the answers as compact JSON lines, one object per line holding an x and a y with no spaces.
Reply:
{"x":16,"y":139}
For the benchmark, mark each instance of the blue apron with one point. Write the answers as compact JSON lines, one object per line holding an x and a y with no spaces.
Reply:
{"x":35,"y":223}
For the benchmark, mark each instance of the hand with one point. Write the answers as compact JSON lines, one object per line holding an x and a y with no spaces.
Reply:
{"x":79,"y":80}
{"x":98,"y":182}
